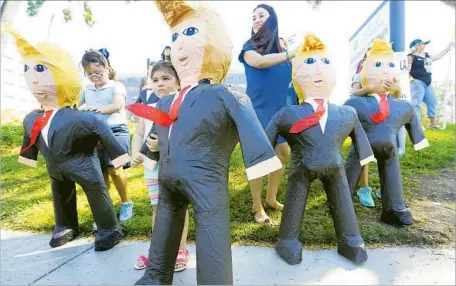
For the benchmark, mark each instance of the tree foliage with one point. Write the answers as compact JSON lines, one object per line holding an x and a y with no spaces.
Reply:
{"x":67,"y":15}
{"x":315,"y":3}
{"x":34,"y":6}
{"x":88,"y":17}
{"x":452,"y":3}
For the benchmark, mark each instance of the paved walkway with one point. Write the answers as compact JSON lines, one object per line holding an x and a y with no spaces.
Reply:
{"x":26,"y":259}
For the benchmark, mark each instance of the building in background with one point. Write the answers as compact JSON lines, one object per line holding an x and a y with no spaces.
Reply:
{"x":16,"y":99}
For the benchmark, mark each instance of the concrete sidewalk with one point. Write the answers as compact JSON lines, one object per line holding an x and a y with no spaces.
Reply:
{"x":26,"y":259}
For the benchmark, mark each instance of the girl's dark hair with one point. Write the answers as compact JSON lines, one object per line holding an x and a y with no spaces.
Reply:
{"x":167,"y":66}
{"x":163,"y":57}
{"x":266,"y":40}
{"x":98,"y":57}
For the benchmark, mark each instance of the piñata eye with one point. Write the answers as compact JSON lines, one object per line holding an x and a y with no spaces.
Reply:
{"x":190,"y":31}
{"x":40,"y":68}
{"x":310,"y":61}
{"x":175,"y":36}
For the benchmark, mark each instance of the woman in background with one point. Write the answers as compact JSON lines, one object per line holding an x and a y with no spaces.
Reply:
{"x":419,"y":67}
{"x":166,"y":54}
{"x":268,"y":74}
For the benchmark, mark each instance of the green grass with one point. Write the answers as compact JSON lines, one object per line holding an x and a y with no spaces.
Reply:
{"x":27,"y":203}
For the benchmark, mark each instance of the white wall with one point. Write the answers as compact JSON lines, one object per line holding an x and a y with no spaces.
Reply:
{"x":14,"y":94}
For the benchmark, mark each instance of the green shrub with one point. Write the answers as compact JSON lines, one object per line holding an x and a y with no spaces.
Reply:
{"x":11,"y":136}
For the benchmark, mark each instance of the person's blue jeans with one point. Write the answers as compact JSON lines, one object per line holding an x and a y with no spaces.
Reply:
{"x":423,"y":93}
{"x":401,"y":141}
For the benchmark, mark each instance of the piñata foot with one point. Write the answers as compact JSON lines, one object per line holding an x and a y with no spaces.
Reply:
{"x":402,"y":217}
{"x":62,"y":235}
{"x":109,"y":241}
{"x":289,"y":250}
{"x":354,"y":249}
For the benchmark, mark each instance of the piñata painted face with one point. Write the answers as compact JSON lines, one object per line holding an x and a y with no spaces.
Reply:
{"x":50,"y":73}
{"x":201,"y":49}
{"x":187,"y":51}
{"x":40,"y":81}
{"x":379,"y":65}
{"x":313,"y":72}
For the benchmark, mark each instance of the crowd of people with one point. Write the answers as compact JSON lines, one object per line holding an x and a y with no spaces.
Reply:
{"x":277,"y":79}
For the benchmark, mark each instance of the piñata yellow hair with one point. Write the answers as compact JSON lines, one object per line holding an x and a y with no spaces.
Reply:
{"x":380,"y":47}
{"x":217,"y":53}
{"x":311,"y":45}
{"x":174,"y":12}
{"x":64,"y":71}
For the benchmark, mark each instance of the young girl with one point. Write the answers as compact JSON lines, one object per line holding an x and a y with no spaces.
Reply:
{"x":107,"y":97}
{"x":164,"y":81}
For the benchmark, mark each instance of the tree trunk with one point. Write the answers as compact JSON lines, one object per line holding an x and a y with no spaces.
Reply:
{"x":49,"y":27}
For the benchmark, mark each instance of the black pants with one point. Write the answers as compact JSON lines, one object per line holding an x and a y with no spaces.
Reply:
{"x":85,"y":171}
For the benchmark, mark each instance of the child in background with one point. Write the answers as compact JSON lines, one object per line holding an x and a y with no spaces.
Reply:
{"x":107,"y":98}
{"x":164,"y":82}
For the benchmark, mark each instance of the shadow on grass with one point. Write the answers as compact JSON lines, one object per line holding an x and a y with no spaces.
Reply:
{"x":27,"y":201}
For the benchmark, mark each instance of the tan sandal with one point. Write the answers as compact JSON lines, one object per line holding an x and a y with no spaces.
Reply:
{"x":275,"y":206}
{"x":260,"y":216}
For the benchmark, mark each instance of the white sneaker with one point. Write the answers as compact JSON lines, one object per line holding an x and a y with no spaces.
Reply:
{"x":126,"y":211}
{"x":379,"y":193}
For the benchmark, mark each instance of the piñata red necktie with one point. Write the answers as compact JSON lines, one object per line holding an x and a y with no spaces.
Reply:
{"x":156,"y":115}
{"x":38,"y":125}
{"x":383,"y":110}
{"x":310,"y":120}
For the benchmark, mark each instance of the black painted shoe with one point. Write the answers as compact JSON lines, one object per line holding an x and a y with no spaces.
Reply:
{"x":108,"y":242}
{"x":356,"y":253}
{"x":403,"y":217}
{"x":63,"y":237}
{"x":289,"y":250}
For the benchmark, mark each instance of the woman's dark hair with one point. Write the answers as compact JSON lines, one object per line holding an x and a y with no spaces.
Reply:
{"x":100,"y":57}
{"x":266,"y":40}
{"x":167,"y":66}
{"x":163,"y":57}
{"x":142,"y":84}
{"x":361,"y":62}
